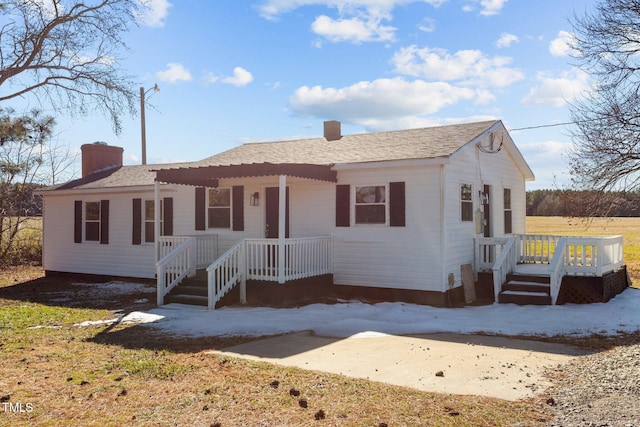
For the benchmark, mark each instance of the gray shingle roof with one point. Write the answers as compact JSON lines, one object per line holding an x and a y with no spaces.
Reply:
{"x":424,"y":143}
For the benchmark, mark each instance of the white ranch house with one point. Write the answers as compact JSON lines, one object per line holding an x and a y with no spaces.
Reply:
{"x":433,"y":216}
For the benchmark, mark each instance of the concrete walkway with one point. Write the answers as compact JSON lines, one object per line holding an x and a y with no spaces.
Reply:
{"x":499,"y":367}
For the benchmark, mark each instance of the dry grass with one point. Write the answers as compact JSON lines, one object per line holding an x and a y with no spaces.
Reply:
{"x":27,"y":243}
{"x":128,"y":375}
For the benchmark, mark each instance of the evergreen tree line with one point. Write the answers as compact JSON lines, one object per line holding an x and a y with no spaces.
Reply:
{"x":573,"y":203}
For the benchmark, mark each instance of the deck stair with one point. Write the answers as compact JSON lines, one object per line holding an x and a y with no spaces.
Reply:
{"x":192,"y":290}
{"x":526,"y":289}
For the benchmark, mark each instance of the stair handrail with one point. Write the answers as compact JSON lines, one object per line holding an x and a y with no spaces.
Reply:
{"x":505,"y":264}
{"x":226,"y":272}
{"x":175,"y":266}
{"x":557,"y":269}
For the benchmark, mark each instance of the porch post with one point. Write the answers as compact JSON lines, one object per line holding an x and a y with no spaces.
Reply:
{"x":282,"y":212}
{"x":156,"y":219}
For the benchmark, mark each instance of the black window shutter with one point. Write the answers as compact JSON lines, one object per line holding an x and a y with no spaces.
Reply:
{"x":200,"y":209}
{"x":104,"y":222}
{"x":343,"y":208}
{"x":136,"y":236}
{"x":238,"y":207}
{"x":167,"y":216}
{"x":396,"y":204}
{"x":77,"y":221}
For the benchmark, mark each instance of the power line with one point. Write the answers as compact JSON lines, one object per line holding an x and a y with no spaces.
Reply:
{"x":545,"y":126}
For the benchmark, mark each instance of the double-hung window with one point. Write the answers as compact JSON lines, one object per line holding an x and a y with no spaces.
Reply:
{"x":219,"y":208}
{"x":371,"y":204}
{"x":466,"y":202}
{"x":508,"y":221}
{"x":149,"y":220}
{"x":92,"y":221}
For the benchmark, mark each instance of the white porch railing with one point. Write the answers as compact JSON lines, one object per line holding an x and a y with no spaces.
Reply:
{"x":226,"y":272}
{"x":536,"y":248}
{"x":308,"y":257}
{"x":262,"y":259}
{"x":565,"y":255}
{"x":258,"y":259}
{"x":557,"y":269}
{"x":486,"y":251}
{"x":591,"y":256}
{"x":505,"y":264}
{"x":175,"y":266}
{"x":206,"y":247}
{"x":304,"y":257}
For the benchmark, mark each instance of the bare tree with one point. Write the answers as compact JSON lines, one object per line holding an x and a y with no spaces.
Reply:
{"x":23,"y":157}
{"x":606,"y":154}
{"x":67,"y":53}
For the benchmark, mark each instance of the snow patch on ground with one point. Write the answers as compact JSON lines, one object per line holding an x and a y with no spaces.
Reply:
{"x":101,"y":290}
{"x":136,"y":317}
{"x":620,"y":315}
{"x":354,"y":318}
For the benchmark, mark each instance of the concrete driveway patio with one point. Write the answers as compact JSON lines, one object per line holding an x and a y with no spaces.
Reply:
{"x":500,"y":367}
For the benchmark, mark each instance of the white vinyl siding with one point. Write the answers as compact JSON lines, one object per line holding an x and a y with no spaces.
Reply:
{"x":496,"y":170}
{"x":119,"y":257}
{"x":406,"y":257}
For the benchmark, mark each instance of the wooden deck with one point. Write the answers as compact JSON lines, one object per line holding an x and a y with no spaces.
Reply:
{"x":532,"y":257}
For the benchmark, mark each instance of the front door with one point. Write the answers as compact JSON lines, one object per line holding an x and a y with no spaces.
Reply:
{"x":486,"y":204}
{"x":272,"y":217}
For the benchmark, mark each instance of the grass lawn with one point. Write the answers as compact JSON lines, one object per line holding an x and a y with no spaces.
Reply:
{"x":62,"y":374}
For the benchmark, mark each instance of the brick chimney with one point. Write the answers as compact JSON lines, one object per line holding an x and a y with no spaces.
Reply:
{"x":332,"y":130}
{"x":99,"y":156}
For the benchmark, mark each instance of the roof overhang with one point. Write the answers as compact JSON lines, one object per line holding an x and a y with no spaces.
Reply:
{"x":510,"y":147}
{"x":208,"y":176}
{"x":400,"y":163}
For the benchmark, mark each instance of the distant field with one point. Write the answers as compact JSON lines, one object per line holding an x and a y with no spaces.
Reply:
{"x":27,"y":244}
{"x":627,"y":227}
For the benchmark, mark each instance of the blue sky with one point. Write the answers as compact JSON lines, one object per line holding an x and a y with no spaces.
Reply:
{"x":231,"y":72}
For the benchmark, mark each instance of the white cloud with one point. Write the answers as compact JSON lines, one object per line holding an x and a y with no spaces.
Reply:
{"x":557,"y":91}
{"x":355,"y":29}
{"x":241,"y":77}
{"x":491,"y":7}
{"x":175,"y":72}
{"x":46,"y":7}
{"x":154,"y":12}
{"x":381,"y":100}
{"x":562,"y":45}
{"x":210,"y":77}
{"x":357,"y":21}
{"x":428,"y":25}
{"x":270,"y":9}
{"x":507,"y":40}
{"x":470,"y":67}
{"x":487,"y":7}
